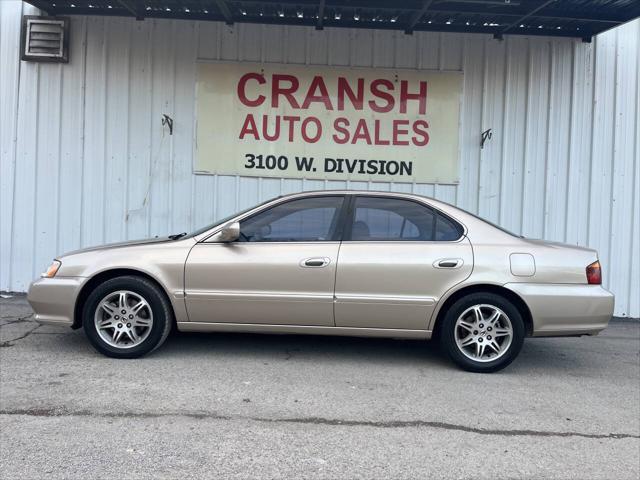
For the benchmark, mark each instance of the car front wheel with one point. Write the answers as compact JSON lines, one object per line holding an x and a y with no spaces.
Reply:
{"x":127,"y":317}
{"x":483,"y":332}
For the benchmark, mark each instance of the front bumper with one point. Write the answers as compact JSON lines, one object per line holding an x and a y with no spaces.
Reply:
{"x":53,"y":299}
{"x":566,"y":309}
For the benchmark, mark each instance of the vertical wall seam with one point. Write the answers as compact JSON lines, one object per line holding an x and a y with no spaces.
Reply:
{"x":594,"y":108}
{"x":636,"y":166}
{"x":192,"y":204}
{"x":503,"y":138}
{"x":526,"y":136}
{"x":215,"y":197}
{"x":83,"y":132}
{"x":147,"y":199}
{"x":483,"y":120}
{"x":36,"y":131}
{"x":59,"y":163}
{"x":545,"y":184}
{"x":172,"y":151}
{"x":612,"y":203}
{"x":14,"y":161}
{"x":463,"y":115}
{"x":572,"y":125}
{"x":127,"y":158}
{"x":105,"y":124}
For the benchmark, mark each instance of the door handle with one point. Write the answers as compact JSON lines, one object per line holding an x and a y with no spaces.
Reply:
{"x":315,"y":262}
{"x":448,"y":263}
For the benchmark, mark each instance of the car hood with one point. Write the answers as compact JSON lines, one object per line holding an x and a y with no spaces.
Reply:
{"x":130,"y":243}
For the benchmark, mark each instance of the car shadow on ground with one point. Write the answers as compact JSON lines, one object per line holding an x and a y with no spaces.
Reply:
{"x":535,"y":355}
{"x":308,"y":347}
{"x":548,"y":354}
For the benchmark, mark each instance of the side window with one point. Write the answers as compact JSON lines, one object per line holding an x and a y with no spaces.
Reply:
{"x":306,"y":220}
{"x":393,"y":219}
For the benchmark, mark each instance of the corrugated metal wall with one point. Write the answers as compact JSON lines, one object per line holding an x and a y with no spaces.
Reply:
{"x":85,"y":159}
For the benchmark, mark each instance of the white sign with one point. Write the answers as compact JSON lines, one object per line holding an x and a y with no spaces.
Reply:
{"x":327,"y":122}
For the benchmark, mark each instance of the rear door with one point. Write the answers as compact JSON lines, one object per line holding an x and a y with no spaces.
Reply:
{"x":397,"y":259}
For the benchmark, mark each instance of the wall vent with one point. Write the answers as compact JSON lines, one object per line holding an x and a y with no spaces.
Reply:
{"x":45,"y":39}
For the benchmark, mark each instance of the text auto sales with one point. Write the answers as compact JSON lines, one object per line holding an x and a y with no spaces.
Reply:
{"x":383,"y":96}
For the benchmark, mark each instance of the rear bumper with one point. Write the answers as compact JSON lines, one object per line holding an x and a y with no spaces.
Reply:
{"x":566,"y":309}
{"x":53,"y":299}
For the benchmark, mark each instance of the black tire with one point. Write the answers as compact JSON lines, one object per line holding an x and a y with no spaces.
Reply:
{"x":155,"y":298}
{"x":448,"y":339}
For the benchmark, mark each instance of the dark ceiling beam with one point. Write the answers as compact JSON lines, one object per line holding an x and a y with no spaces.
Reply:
{"x":409,"y":5}
{"x":136,"y":9}
{"x":499,"y":3}
{"x":45,"y":6}
{"x":310,"y":22}
{"x":128,"y":6}
{"x":350,"y":6}
{"x":320,"y":24}
{"x":521,"y":19}
{"x":415,"y":18}
{"x":501,"y":9}
{"x":224,"y":10}
{"x":422,"y":27}
{"x":545,"y":15}
{"x":575,"y":23}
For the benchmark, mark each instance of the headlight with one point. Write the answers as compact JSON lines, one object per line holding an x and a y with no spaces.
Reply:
{"x":52,"y":270}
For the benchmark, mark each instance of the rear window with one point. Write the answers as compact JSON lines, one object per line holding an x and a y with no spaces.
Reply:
{"x":396,"y":219}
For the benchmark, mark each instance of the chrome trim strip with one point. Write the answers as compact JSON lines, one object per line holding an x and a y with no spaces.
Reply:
{"x":258,"y":296}
{"x":303,"y":329}
{"x":386,"y":299}
{"x":302,"y":297}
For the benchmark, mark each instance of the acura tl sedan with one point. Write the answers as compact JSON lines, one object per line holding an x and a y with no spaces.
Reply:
{"x":354,"y":263}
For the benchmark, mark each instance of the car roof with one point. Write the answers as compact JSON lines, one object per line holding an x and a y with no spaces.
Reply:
{"x":431,"y":200}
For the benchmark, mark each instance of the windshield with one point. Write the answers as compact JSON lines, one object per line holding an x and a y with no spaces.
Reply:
{"x":225,"y":219}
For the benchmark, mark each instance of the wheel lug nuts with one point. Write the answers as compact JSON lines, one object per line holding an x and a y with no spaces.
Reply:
{"x":488,"y":337}
{"x":481,"y":325}
{"x":128,"y":325}
{"x":117,"y":317}
{"x":119,"y":325}
{"x":489,"y":329}
{"x":475,"y":332}
{"x":130,"y":316}
{"x":124,"y":311}
{"x":480,"y":340}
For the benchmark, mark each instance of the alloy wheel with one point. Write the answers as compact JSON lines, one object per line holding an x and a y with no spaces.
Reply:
{"x":123,"y":319}
{"x":483,"y":333}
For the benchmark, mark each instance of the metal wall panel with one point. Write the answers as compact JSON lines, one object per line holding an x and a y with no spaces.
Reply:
{"x":85,"y":159}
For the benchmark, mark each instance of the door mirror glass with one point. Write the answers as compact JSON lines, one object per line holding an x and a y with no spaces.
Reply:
{"x":230,"y":233}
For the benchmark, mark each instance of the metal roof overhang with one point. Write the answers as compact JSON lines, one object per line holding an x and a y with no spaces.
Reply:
{"x":556,"y":18}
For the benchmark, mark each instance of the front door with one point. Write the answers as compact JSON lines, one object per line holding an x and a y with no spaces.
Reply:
{"x":398,"y":258}
{"x":280,"y":272}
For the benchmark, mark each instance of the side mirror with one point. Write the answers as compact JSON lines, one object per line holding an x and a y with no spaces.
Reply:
{"x":230,"y":233}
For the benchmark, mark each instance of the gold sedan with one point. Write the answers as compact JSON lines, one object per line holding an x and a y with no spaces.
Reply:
{"x":333,"y":263}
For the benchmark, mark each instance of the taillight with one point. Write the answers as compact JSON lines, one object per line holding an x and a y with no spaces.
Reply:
{"x":594,"y":273}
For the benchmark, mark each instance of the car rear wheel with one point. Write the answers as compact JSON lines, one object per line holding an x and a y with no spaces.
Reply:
{"x":482,"y":332}
{"x":127,"y":317}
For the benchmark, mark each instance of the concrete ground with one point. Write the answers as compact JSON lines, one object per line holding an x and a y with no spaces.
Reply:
{"x":252,"y":406}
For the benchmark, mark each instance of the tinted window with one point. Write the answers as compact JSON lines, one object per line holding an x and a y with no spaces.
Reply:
{"x":304,"y":220}
{"x":384,"y":219}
